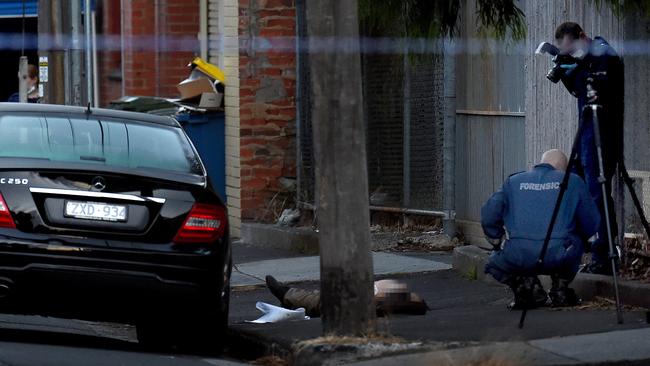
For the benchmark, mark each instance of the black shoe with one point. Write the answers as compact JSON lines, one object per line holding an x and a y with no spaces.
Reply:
{"x":598,"y":268}
{"x":563,"y":297}
{"x":277,"y":289}
{"x":529,"y":294}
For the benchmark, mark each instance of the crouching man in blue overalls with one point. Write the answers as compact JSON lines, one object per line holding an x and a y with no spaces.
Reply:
{"x":515,"y":220}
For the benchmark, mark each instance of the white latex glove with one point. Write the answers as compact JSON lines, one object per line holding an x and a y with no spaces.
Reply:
{"x":275,"y":314}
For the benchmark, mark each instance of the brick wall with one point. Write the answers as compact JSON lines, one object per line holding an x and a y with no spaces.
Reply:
{"x":179,"y":24}
{"x":267,"y":115}
{"x":160,"y":38}
{"x":138,"y":24}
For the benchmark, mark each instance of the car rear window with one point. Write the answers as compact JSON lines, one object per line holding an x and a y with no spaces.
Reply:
{"x":110,"y":142}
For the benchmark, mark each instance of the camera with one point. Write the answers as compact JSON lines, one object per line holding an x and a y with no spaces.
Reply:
{"x":563,"y":62}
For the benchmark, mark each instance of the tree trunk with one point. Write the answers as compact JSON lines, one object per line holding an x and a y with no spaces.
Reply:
{"x":347,"y":300}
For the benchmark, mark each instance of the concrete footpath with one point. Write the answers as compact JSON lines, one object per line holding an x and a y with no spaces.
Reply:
{"x":468,"y":318}
{"x":470,"y":261}
{"x":302,"y":269}
{"x":629,"y":347}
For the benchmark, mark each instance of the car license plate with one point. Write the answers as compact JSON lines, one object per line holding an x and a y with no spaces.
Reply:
{"x":95,"y":211}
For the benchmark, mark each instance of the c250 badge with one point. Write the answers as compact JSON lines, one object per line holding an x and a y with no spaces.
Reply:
{"x":17,"y":181}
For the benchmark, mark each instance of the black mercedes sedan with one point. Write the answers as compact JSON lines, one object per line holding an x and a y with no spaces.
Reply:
{"x":110,"y":216}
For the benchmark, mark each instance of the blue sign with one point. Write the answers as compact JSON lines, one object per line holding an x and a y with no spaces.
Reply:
{"x":14,"y":8}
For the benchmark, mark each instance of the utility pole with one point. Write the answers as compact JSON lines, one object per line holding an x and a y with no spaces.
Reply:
{"x":23,"y":66}
{"x":347,"y":296}
{"x":51,"y":45}
{"x":90,"y":91}
{"x":22,"y":79}
{"x":74,"y":55}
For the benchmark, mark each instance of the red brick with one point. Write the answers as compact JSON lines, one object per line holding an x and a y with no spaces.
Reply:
{"x":271,"y":71}
{"x":271,"y":4}
{"x":252,"y":206}
{"x":257,"y":161}
{"x":252,"y":140}
{"x":289,"y":84}
{"x":268,"y":131}
{"x":287,"y":23}
{"x":249,"y":98}
{"x":284,"y":59}
{"x":277,"y":13}
{"x":254,"y":183}
{"x":252,"y":122}
{"x":253,"y":83}
{"x":267,"y":32}
{"x":268,"y":172}
{"x":246,"y":92}
{"x":246,"y":152}
{"x":283,"y":103}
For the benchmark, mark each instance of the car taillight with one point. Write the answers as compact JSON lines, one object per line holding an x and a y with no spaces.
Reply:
{"x":5,"y":216}
{"x":204,"y":224}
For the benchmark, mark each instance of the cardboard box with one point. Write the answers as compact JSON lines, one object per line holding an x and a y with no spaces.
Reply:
{"x":194,"y":88}
{"x":210,"y":100}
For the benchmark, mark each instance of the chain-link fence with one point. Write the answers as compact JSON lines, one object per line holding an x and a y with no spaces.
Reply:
{"x":403,"y":111}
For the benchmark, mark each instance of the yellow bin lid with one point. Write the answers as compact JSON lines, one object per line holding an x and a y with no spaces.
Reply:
{"x":209,"y":69}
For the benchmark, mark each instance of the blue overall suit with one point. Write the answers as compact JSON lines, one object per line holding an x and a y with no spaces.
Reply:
{"x":521,"y":211}
{"x":606,"y":68}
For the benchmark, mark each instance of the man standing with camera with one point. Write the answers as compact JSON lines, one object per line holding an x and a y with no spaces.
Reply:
{"x":592,"y":71}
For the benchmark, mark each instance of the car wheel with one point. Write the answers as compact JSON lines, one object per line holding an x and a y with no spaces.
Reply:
{"x":208,"y":333}
{"x":204,"y":333}
{"x":156,"y":334}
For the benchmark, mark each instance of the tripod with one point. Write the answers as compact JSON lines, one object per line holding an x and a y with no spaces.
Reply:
{"x":624,"y":176}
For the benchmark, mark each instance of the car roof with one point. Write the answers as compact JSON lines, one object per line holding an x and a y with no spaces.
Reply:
{"x":95,"y":112}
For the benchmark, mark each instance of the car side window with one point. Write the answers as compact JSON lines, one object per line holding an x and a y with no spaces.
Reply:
{"x":60,"y":139}
{"x":88,"y":139}
{"x":23,"y":136}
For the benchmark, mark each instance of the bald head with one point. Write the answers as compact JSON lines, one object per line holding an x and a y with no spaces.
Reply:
{"x":556,"y":158}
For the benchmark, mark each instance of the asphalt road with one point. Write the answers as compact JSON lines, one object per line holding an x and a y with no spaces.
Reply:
{"x":32,"y":340}
{"x":462,"y":310}
{"x":36,"y":341}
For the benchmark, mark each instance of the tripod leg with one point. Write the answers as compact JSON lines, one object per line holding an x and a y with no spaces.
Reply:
{"x":635,"y":198}
{"x":522,"y":319}
{"x":620,"y":212}
{"x":603,"y":184}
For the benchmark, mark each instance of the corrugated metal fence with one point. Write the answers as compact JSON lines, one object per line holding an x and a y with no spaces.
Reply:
{"x":490,"y":121}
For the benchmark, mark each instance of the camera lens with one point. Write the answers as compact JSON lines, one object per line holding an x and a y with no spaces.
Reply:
{"x":555,"y":74}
